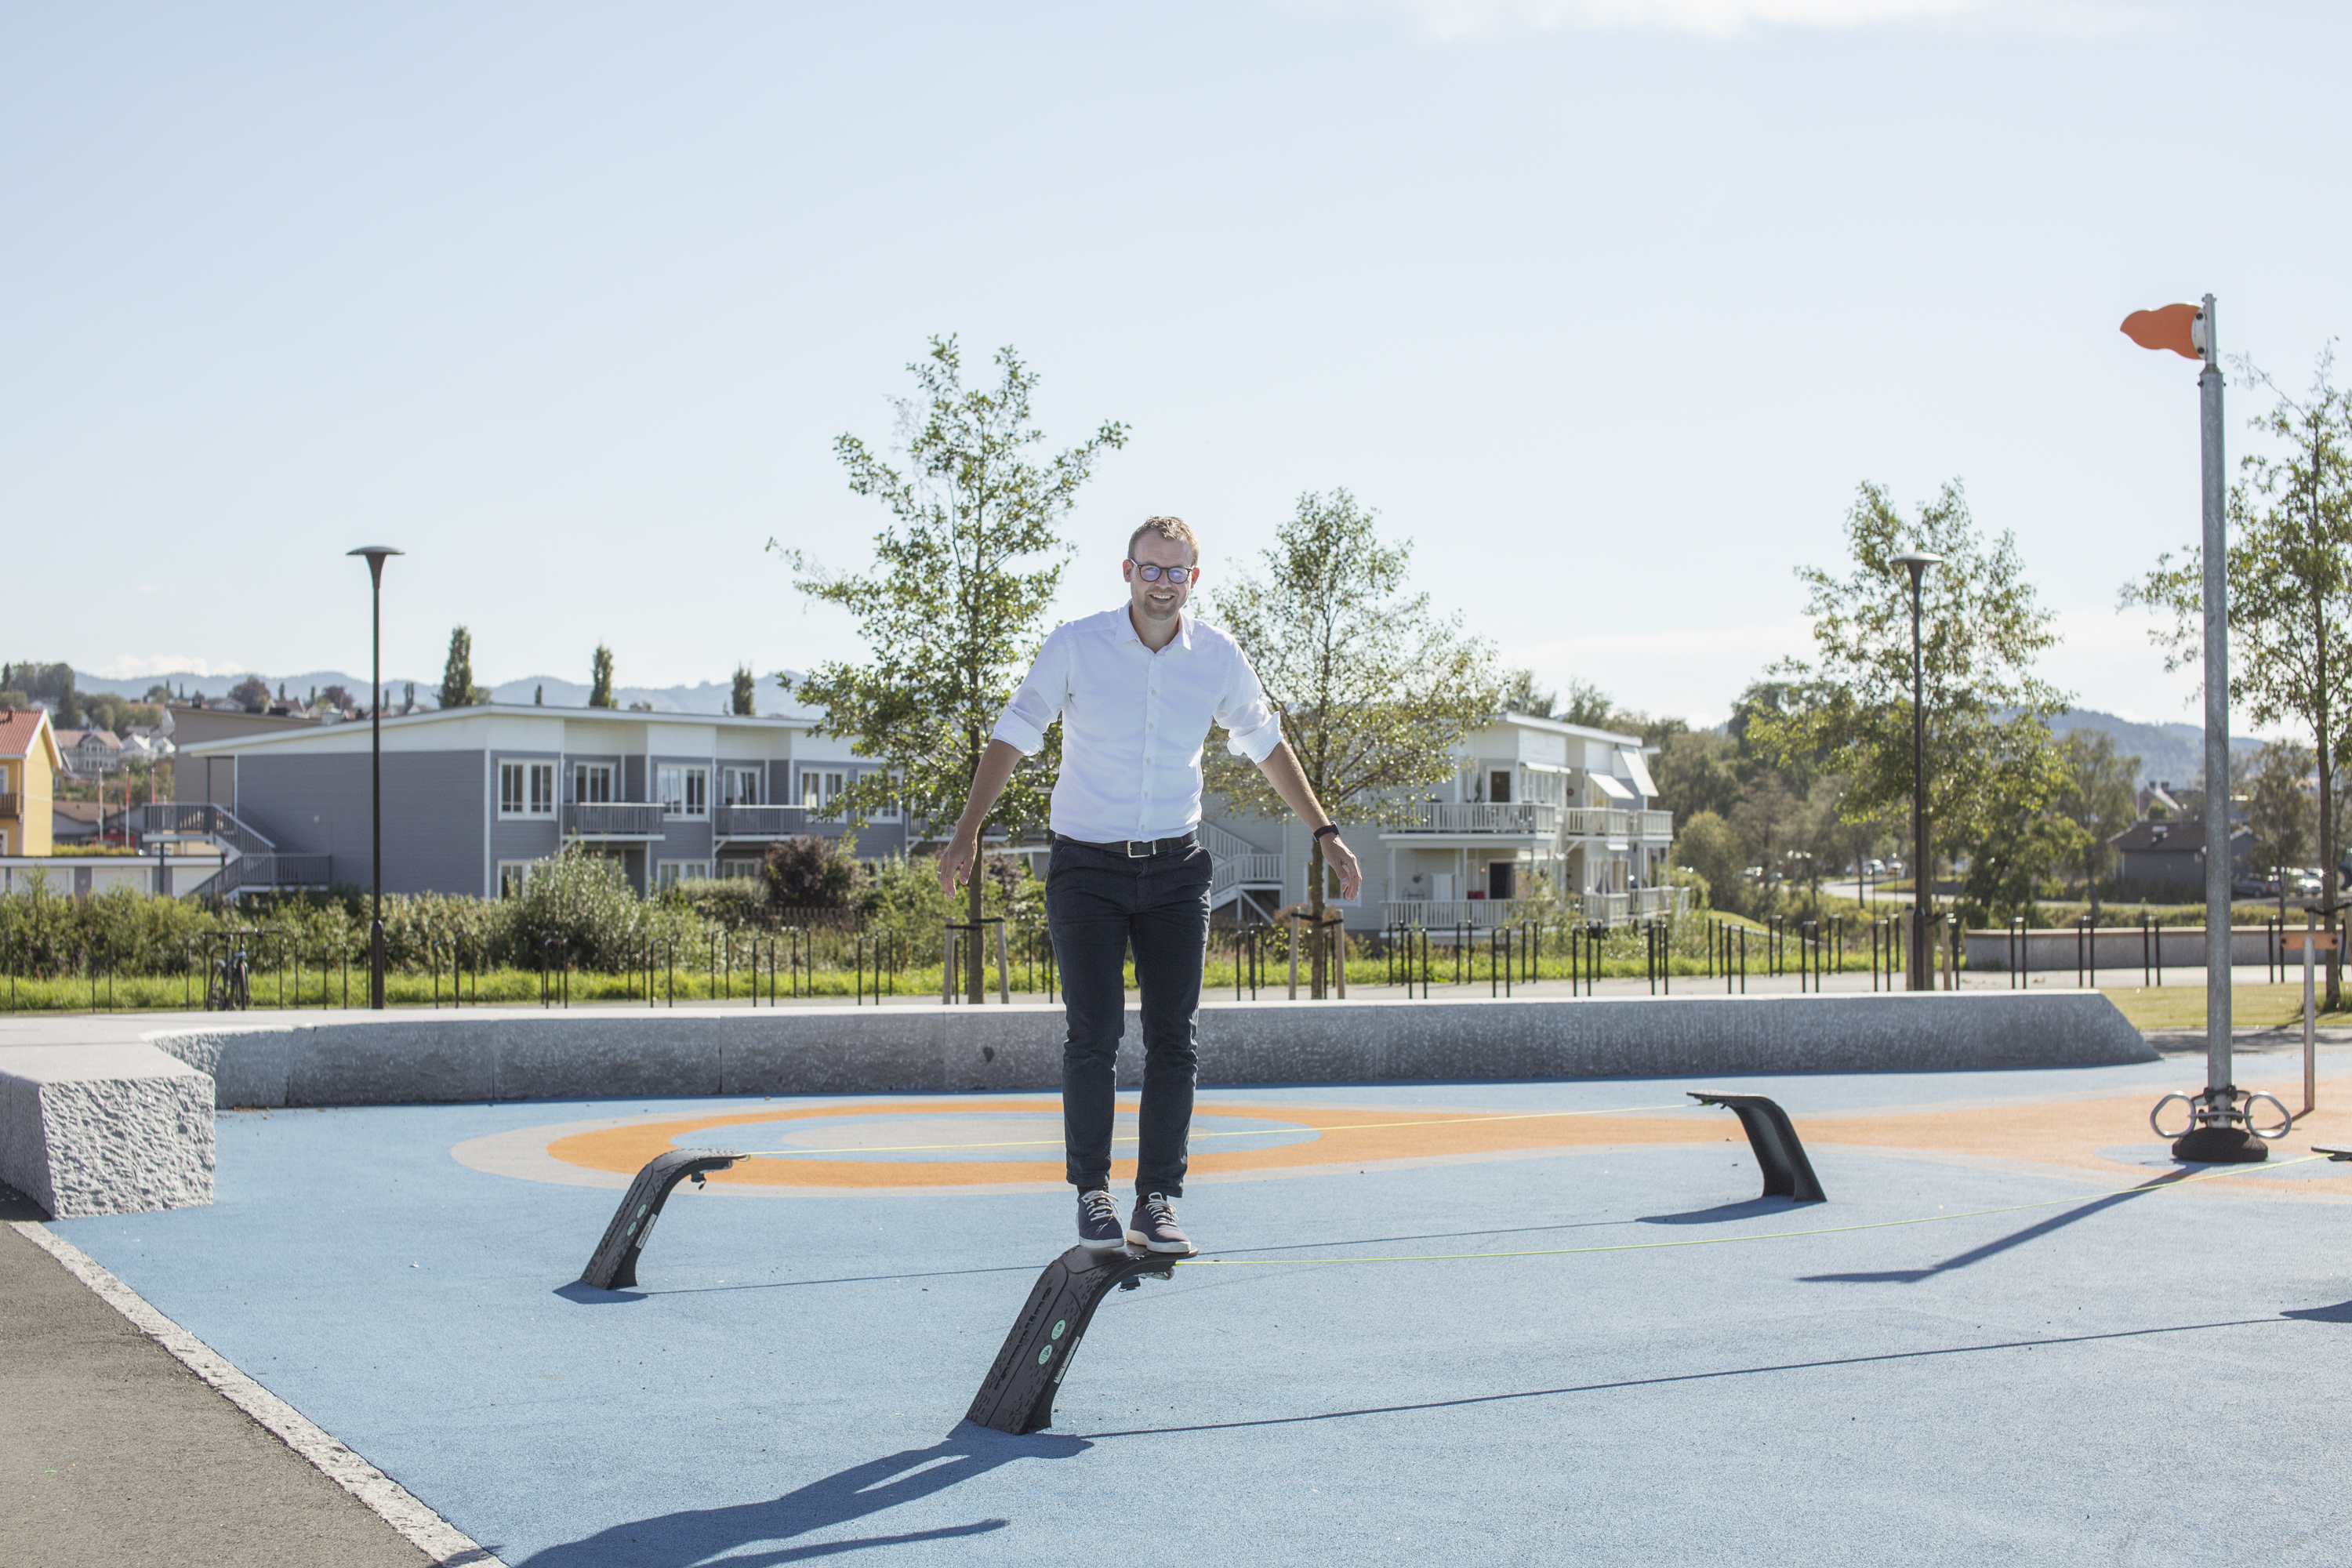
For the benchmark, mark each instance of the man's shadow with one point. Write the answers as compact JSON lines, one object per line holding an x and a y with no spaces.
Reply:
{"x":698,"y":1535}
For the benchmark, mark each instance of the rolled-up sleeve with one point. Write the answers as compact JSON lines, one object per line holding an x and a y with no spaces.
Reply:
{"x":1039,"y":699}
{"x":1252,"y":728}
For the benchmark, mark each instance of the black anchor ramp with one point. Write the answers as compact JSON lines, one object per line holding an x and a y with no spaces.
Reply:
{"x":1018,"y":1396}
{"x":1787,"y":1173}
{"x":614,"y":1265}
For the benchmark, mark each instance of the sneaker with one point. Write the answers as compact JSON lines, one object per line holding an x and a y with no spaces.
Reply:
{"x":1098,"y":1226}
{"x":1153,"y":1225}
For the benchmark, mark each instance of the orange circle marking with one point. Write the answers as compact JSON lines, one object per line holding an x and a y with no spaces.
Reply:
{"x":1401,"y":1135}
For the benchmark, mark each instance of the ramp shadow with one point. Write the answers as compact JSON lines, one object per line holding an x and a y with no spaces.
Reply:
{"x":588,"y":1294}
{"x":2339,"y":1313}
{"x":1723,"y":1213}
{"x":702,"y":1535}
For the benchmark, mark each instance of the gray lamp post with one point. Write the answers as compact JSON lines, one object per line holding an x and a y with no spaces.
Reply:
{"x":1923,"y":884}
{"x":375,"y":554}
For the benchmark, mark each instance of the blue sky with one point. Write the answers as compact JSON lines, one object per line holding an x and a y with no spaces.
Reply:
{"x":1607,"y":305}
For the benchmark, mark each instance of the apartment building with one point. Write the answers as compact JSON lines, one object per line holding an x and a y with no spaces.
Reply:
{"x":29,"y":764}
{"x":474,"y":797}
{"x":1538,"y":816}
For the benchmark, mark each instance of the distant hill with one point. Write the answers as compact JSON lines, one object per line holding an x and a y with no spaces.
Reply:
{"x":708,"y":697}
{"x":2174,"y":753}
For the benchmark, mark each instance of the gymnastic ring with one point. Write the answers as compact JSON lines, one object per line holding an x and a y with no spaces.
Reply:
{"x":2158,"y":1110}
{"x":2287,"y":1117}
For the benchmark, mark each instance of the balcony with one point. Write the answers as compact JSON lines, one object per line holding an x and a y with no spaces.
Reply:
{"x":1440,"y":915}
{"x":620,"y":821}
{"x":1525,"y":820}
{"x":759,"y":821}
{"x":1596,"y":822}
{"x":10,"y":805}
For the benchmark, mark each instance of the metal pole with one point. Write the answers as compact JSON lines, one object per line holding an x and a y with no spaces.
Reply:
{"x":375,"y":556}
{"x":1922,"y":882}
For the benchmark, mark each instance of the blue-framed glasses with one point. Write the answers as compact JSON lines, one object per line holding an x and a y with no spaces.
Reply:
{"x":1173,"y":574}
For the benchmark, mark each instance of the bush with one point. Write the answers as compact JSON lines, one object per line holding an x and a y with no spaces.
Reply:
{"x":813,"y":873}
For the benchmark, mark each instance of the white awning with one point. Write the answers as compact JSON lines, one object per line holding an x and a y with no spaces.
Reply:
{"x":1640,"y":769}
{"x":1613,"y":788}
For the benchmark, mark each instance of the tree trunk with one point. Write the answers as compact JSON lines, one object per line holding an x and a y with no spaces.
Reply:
{"x":975,"y":979}
{"x":1315,"y":903}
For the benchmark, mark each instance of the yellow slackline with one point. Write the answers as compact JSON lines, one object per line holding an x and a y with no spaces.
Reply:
{"x":1721,"y":1240}
{"x":1253,"y":1132}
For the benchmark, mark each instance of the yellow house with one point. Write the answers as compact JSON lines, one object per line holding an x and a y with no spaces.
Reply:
{"x":28,"y":762}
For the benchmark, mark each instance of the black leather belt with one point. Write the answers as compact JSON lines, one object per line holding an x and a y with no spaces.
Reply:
{"x":1135,"y":848}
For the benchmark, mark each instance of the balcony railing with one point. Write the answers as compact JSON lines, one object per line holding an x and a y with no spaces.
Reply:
{"x":1442,"y":914}
{"x":10,"y":805}
{"x":613,"y":819}
{"x":760,"y":821}
{"x":1525,"y":817}
{"x":1597,"y":822}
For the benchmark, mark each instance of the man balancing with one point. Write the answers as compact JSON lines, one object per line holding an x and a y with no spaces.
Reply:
{"x":1134,"y":689}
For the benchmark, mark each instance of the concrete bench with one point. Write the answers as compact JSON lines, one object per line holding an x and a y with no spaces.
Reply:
{"x":105,"y":1129}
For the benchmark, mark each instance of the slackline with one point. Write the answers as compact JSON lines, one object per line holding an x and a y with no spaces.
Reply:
{"x":1289,"y":1130}
{"x":1722,"y":1240}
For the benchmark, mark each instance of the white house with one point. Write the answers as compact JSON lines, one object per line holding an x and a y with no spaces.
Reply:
{"x":1531,"y":800}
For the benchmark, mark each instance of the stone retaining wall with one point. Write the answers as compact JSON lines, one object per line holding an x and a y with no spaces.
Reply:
{"x":494,"y":1055}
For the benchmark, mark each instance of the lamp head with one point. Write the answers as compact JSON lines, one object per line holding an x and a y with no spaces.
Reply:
{"x":375,"y":554}
{"x":1916,"y":562}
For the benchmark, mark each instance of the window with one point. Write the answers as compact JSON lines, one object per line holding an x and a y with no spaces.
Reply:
{"x":514,"y":876}
{"x":820,"y":789}
{"x":592,"y":783}
{"x":670,"y":873}
{"x":738,"y":867}
{"x":526,"y":789}
{"x":1498,"y":786}
{"x":741,"y":785}
{"x":684,"y":792}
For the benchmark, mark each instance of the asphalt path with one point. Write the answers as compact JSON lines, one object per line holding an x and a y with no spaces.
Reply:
{"x":112,"y":1452}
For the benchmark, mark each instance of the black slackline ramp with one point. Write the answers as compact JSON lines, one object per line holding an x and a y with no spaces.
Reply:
{"x":614,"y":1265}
{"x":1017,"y":1395}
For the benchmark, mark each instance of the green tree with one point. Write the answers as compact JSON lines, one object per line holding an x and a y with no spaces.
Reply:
{"x":2281,"y":809}
{"x":1522,"y":695}
{"x":1694,"y":773}
{"x":457,"y":688}
{"x":1992,"y":765}
{"x":745,"y":698}
{"x":252,"y":694}
{"x":1376,"y":692}
{"x":1709,"y":845}
{"x":2097,"y":795}
{"x":1587,"y":705}
{"x":600,"y":679}
{"x":2290,"y":582}
{"x":954,"y":618}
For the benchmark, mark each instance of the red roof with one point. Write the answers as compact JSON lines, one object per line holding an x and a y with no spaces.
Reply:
{"x":18,"y":726}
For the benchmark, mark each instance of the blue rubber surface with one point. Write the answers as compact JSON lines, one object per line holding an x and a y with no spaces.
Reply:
{"x":2064,"y":1386}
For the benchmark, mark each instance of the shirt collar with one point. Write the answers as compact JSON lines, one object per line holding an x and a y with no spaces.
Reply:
{"x":1183,"y":638}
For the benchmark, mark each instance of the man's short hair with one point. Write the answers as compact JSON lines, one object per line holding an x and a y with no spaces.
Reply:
{"x":1174,"y":528}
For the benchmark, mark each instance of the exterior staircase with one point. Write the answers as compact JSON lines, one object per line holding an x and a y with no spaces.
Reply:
{"x":250,"y":862}
{"x":1240,"y":872}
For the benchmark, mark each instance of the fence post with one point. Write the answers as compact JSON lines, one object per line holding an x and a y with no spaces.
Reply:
{"x":1340,"y":955}
{"x":1004,"y":971}
{"x":947,"y":959}
{"x":1294,"y":958}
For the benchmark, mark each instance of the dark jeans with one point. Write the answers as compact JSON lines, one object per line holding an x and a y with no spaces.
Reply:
{"x":1101,"y":904}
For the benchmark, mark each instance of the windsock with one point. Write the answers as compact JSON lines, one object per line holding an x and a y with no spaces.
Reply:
{"x":2171,"y":327}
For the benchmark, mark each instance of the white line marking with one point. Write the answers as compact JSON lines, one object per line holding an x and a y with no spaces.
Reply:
{"x":446,"y":1545}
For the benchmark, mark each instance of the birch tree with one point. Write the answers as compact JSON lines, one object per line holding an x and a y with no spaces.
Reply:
{"x":956,"y":612}
{"x":2290,"y":577}
{"x":1375,"y":690}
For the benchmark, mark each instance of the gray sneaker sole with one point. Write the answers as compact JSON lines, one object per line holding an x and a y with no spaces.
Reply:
{"x":1140,"y":1239}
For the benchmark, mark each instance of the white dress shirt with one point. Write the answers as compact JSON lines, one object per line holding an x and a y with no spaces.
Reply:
{"x":1134,"y":722}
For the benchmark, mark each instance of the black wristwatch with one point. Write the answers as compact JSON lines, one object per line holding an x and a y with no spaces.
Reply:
{"x":1330,"y":830}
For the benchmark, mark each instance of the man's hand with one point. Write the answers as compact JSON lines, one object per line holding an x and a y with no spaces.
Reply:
{"x":1342,"y":859}
{"x":957,"y":860}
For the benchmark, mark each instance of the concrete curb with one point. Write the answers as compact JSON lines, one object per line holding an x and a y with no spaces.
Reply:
{"x":445,"y":1544}
{"x":518,"y":1053}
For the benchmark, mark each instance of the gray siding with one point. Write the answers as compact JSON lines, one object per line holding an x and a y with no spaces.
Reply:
{"x":433,"y":809}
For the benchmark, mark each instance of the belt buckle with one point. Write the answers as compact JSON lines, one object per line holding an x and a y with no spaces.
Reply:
{"x":1129,"y":845}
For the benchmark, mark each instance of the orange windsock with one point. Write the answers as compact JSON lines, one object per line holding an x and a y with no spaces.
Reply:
{"x":2167,"y":327}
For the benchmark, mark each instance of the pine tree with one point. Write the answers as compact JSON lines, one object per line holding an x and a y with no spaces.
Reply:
{"x":600,"y":679}
{"x":457,"y":688}
{"x":744,"y":698}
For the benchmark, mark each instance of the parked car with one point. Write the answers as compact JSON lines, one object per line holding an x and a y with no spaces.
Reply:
{"x":2253,"y":888}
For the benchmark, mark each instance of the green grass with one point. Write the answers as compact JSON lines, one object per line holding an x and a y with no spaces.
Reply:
{"x":2251,"y":1006}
